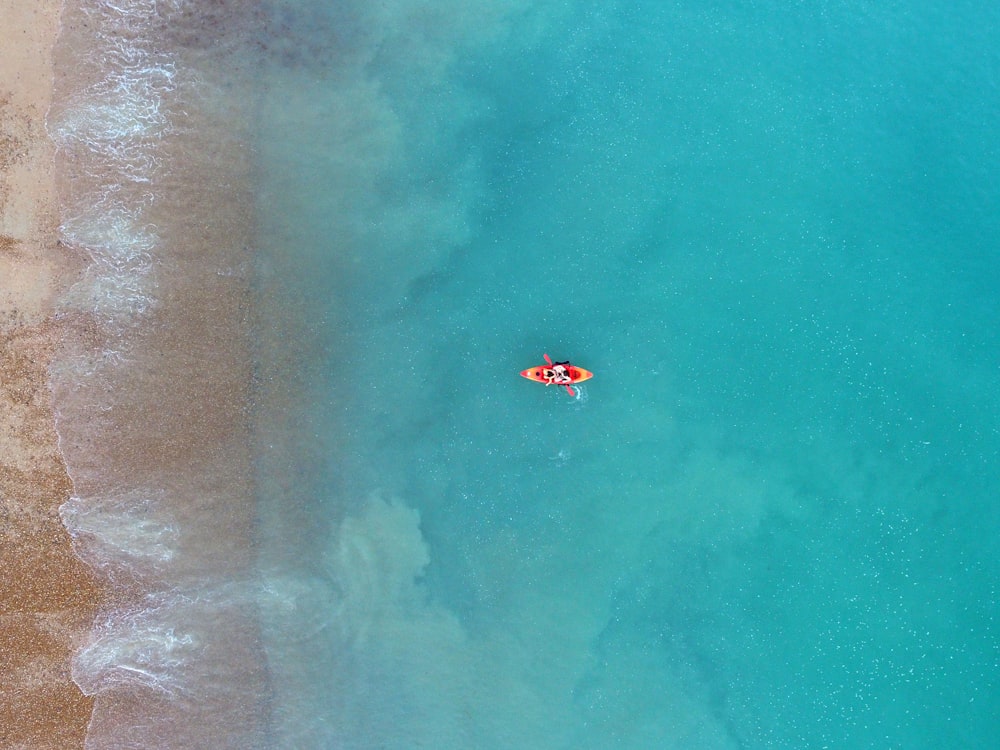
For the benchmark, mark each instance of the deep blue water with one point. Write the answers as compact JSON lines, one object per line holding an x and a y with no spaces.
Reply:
{"x":770,"y":229}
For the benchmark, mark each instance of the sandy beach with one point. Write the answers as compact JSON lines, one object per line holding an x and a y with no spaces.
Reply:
{"x":47,"y":596}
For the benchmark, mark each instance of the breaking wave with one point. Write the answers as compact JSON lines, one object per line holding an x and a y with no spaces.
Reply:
{"x":152,"y":385}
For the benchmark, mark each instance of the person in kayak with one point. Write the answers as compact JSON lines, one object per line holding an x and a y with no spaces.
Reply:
{"x":558,"y":374}
{"x":562,"y":374}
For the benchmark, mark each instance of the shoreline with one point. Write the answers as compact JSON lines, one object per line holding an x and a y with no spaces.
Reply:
{"x":153,"y":384}
{"x":48,"y":596}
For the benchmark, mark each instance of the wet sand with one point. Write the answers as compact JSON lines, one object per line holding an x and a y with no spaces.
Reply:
{"x":48,"y":597}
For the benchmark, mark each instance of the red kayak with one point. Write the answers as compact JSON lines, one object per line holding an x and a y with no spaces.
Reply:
{"x":550,"y":376}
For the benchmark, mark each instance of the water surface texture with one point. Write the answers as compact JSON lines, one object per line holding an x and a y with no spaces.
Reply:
{"x":770,"y":229}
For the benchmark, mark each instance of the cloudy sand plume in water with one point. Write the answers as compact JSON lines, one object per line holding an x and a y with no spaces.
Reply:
{"x":47,"y":595}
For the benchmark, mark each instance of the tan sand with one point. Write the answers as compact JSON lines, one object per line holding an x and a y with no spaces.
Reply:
{"x":47,"y":596}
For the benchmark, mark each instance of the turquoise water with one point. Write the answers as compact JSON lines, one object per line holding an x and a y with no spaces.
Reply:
{"x":770,"y":230}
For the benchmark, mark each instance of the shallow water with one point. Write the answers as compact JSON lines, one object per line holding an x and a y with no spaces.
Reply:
{"x":766,"y":522}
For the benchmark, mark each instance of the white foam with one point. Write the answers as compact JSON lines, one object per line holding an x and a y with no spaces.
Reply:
{"x":119,"y":284}
{"x":129,"y":530}
{"x":181,"y":621}
{"x":120,"y":117}
{"x":126,"y":105}
{"x":146,"y":648}
{"x":114,"y":129}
